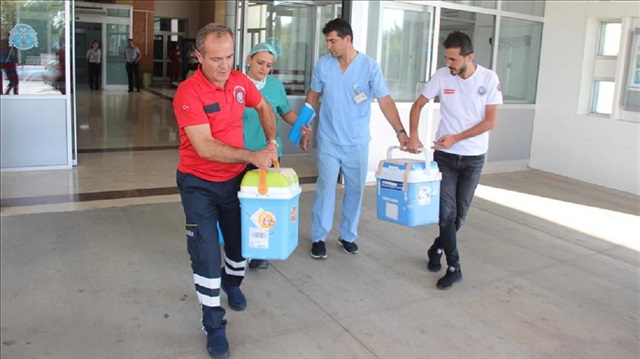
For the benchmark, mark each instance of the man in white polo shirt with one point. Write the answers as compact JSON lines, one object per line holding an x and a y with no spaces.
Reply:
{"x":132,"y":55}
{"x":469,"y":98}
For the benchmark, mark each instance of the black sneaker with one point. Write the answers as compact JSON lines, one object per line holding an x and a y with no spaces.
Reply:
{"x":217,"y":344}
{"x":318,"y":250}
{"x":258,"y":263}
{"x":453,"y":275}
{"x":236,"y":299}
{"x":434,"y":259}
{"x":348,"y":247}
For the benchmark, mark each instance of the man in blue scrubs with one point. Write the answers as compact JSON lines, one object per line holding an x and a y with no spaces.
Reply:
{"x":348,"y":81}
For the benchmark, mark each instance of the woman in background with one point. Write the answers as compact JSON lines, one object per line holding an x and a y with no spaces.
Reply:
{"x":259,"y":64}
{"x":94,"y":58}
{"x":175,"y":64}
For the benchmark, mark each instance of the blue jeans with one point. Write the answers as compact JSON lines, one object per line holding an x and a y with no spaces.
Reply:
{"x":460,"y":177}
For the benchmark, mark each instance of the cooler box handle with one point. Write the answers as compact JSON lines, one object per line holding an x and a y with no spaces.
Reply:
{"x":407,"y":170}
{"x":263,"y":188}
{"x":427,"y":154}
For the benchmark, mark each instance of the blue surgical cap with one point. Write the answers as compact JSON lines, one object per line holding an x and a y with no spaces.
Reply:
{"x":272,"y":46}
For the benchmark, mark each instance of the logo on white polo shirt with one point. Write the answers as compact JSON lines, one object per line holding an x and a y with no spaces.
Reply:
{"x":482,"y":90}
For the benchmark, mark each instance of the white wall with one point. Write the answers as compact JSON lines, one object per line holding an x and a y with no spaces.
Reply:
{"x":567,"y":141}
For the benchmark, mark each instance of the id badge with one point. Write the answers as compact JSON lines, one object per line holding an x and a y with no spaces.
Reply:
{"x":359,"y":98}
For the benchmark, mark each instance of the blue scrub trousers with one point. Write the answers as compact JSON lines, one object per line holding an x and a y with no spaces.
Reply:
{"x":353,"y":160}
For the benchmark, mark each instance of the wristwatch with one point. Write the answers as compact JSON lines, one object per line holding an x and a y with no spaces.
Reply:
{"x":274,"y":141}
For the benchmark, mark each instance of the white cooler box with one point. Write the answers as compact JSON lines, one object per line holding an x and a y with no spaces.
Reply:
{"x":269,"y":213}
{"x":408,"y":190}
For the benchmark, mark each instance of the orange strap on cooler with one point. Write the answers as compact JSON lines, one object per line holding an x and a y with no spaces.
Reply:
{"x":263,"y":188}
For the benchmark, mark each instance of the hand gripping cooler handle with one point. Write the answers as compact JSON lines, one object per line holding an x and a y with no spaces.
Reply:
{"x":407,"y":171}
{"x":427,"y":154}
{"x":263,"y":188}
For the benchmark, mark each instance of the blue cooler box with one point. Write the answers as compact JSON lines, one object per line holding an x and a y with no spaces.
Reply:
{"x":408,"y":190}
{"x":269,"y":213}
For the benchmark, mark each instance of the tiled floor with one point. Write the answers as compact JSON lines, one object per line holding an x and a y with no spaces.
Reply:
{"x":127,"y":153}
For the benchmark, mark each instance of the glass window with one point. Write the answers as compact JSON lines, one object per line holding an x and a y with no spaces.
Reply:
{"x":632,"y":87}
{"x":535,"y":8}
{"x":518,"y":59}
{"x":32,"y":49}
{"x":486,"y":4}
{"x":603,"y":97}
{"x":118,"y":12}
{"x":327,"y":13}
{"x":407,"y":43}
{"x":169,"y":25}
{"x":294,"y":24}
{"x":116,"y":42}
{"x":610,"y":38}
{"x":479,"y":27}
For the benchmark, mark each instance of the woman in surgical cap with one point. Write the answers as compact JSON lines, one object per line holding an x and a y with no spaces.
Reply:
{"x":260,"y":61}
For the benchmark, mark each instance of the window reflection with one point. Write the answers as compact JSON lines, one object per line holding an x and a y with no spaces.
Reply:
{"x":534,"y":7}
{"x":407,"y":43}
{"x":487,"y":4}
{"x":479,"y":27}
{"x":518,"y":57}
{"x":296,"y":25}
{"x":36,"y":65}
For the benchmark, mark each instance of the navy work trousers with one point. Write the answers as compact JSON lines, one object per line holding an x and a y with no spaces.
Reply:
{"x":206,"y":203}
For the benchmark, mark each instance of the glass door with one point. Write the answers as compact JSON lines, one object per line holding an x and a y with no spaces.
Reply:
{"x":297,"y":25}
{"x":116,"y":37}
{"x":163,"y":45}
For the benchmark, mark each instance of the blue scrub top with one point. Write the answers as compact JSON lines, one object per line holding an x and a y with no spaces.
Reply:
{"x":342,"y":121}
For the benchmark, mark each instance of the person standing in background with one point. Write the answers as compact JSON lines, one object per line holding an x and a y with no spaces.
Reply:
{"x":260,"y":61}
{"x":8,"y":63}
{"x":175,"y":64}
{"x":132,"y":55}
{"x":94,"y":58}
{"x":469,"y":98}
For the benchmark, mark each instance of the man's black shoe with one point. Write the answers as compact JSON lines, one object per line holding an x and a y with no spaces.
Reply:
{"x":217,"y":344}
{"x":236,"y":299}
{"x":318,"y":250}
{"x":453,"y":275}
{"x":434,"y":259}
{"x":348,"y":247}
{"x":258,"y":263}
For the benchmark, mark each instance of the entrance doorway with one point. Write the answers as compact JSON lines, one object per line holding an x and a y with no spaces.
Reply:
{"x":85,"y":34}
{"x":166,"y":35}
{"x":163,"y":45}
